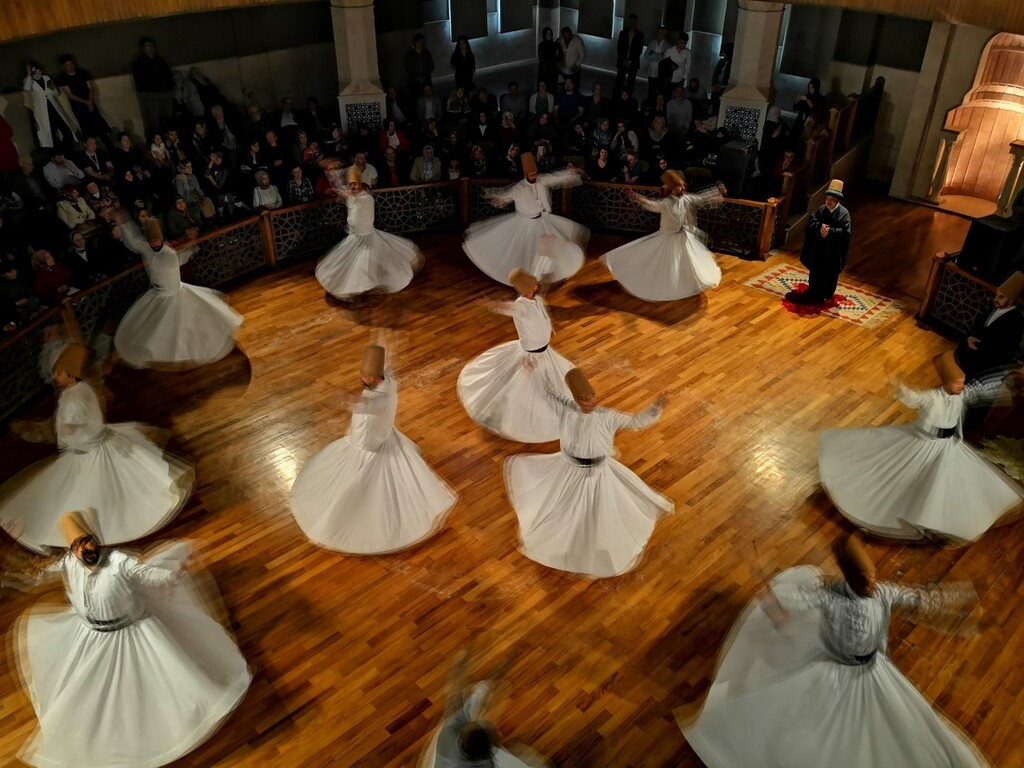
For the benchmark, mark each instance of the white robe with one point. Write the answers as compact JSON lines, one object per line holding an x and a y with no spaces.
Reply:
{"x":505,"y":389}
{"x":174,"y":322}
{"x":512,"y":240}
{"x":594,"y":520}
{"x":135,"y":697}
{"x":672,"y":263}
{"x":370,"y":492}
{"x":905,"y":482}
{"x":798,"y":696}
{"x":368,"y":260}
{"x":36,"y":99}
{"x":113,"y":469}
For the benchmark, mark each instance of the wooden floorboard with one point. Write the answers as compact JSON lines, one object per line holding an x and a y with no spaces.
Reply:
{"x":351,"y":654}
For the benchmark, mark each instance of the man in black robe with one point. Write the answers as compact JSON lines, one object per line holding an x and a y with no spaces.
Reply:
{"x":993,"y":342}
{"x":826,"y":246}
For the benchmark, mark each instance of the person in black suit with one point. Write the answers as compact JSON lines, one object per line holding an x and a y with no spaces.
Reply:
{"x":994,"y":339}
{"x":630,"y":47}
{"x":826,"y":246}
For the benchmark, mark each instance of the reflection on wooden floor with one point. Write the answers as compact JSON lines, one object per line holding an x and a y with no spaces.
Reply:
{"x":351,"y":654}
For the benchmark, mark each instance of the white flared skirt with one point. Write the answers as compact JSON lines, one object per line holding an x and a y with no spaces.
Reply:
{"x":370,"y":502}
{"x":507,"y":242}
{"x":664,"y":266}
{"x":594,"y":521}
{"x":189,"y":327}
{"x":903,"y":483}
{"x":137,"y":697}
{"x":375,"y":263}
{"x":778,"y":699}
{"x":504,"y":396}
{"x":130,"y":485}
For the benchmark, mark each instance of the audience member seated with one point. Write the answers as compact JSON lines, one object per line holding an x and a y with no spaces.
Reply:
{"x":624,"y":139}
{"x":223,"y":134}
{"x":300,"y":149}
{"x":399,"y":108}
{"x":508,"y":132}
{"x":256,"y":122}
{"x":695,"y":93}
{"x":453,"y":169}
{"x":655,"y":171}
{"x":367,"y":173}
{"x":807,"y":106}
{"x":601,"y":136}
{"x":52,"y":280}
{"x":86,"y":265}
{"x":393,"y":172}
{"x":542,"y":129}
{"x":509,"y":166}
{"x":94,"y":162}
{"x":515,"y":102}
{"x":542,"y":102}
{"x":116,"y":251}
{"x":275,"y":155}
{"x":202,"y":144}
{"x":659,"y":140}
{"x":392,"y":136}
{"x":285,"y":121}
{"x":426,"y":167}
{"x":577,"y":146}
{"x":330,"y":170}
{"x":187,"y":186}
{"x":679,"y":113}
{"x":28,"y":183}
{"x":300,"y":189}
{"x":451,"y":147}
{"x":654,"y":108}
{"x":17,"y":304}
{"x":428,"y":106}
{"x":177,"y":151}
{"x":101,"y":199}
{"x":568,"y":106}
{"x":601,"y":168}
{"x":314,"y":120}
{"x":265,"y":197}
{"x":457,"y":108}
{"x":181,"y":224}
{"x":74,"y":211}
{"x":127,"y":158}
{"x":252,"y":160}
{"x":60,"y":172}
{"x":632,"y":170}
{"x":625,"y":107}
{"x":221,"y":184}
{"x":596,"y":106}
{"x":129,"y":190}
{"x":483,"y":132}
{"x":484,"y":101}
{"x":431,"y":134}
{"x":478,"y":167}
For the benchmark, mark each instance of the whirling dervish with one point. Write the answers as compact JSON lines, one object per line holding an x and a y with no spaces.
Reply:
{"x":367,"y":260}
{"x":922,"y":479}
{"x":672,"y":263}
{"x":512,"y":241}
{"x":580,"y":510}
{"x":115,"y":469}
{"x":136,"y":672}
{"x":370,"y":492}
{"x":505,"y":389}
{"x":806,"y":681}
{"x":173,"y":323}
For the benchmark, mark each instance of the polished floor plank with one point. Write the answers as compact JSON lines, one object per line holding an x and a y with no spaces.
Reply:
{"x":352,"y":653}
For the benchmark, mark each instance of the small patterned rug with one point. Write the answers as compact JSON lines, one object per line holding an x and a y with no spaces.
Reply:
{"x":854,"y":305}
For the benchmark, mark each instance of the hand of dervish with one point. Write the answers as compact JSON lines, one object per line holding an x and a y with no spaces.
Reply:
{"x":825,"y":229}
{"x":972,"y":342}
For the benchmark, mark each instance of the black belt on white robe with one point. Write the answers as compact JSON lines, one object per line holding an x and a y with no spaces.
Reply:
{"x":109,"y":625}
{"x":538,"y":351}
{"x":944,"y":432}
{"x":581,"y":462}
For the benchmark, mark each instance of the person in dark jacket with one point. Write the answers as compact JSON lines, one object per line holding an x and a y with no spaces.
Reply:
{"x":826,"y":246}
{"x":419,"y":66}
{"x":993,"y":342}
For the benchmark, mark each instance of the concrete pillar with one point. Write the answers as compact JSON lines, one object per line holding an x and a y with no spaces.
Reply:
{"x":745,"y":103}
{"x":360,"y":96}
{"x":947,"y":140}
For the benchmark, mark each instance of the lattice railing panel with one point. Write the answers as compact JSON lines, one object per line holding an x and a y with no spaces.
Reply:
{"x":733,"y":227}
{"x":302,"y":232}
{"x":19,"y":368}
{"x":959,"y":300}
{"x":610,"y":207}
{"x":227,"y":256}
{"x":480,"y":207}
{"x":417,"y":209}
{"x":101,"y":309}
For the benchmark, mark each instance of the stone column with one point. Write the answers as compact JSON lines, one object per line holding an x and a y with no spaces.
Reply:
{"x":745,"y":103}
{"x":360,"y":96}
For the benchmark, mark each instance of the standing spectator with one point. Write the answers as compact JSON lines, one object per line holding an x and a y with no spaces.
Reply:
{"x":463,"y":64}
{"x":300,"y":189}
{"x":428,"y":106}
{"x":427,"y":168}
{"x":629,"y":48}
{"x":679,"y":112}
{"x":154,"y":81}
{"x":55,"y":122}
{"x":398,"y":107}
{"x":209,"y":94}
{"x":597,"y":106}
{"x":515,"y":102}
{"x":77,"y":86}
{"x":60,"y":172}
{"x":572,"y":53}
{"x":367,"y":173}
{"x":419,"y":66}
{"x":723,"y":71}
{"x":547,"y":57}
{"x":657,"y":49}
{"x":95,"y":163}
{"x":678,"y":62}
{"x":265,"y":196}
{"x":542,"y":102}
{"x":187,"y":186}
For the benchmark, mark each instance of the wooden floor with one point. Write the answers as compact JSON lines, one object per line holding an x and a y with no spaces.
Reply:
{"x":351,"y":654}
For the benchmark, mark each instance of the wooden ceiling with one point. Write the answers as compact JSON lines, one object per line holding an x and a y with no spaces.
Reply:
{"x":25,"y":18}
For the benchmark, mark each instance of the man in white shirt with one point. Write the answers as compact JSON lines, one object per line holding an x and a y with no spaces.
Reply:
{"x":573,"y":52}
{"x":679,"y":55}
{"x":367,"y":173}
{"x":679,"y":112}
{"x":656,"y":51}
{"x":61,"y":171}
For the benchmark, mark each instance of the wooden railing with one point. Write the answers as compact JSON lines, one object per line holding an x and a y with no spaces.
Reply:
{"x":954,"y":297}
{"x":270,"y":238}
